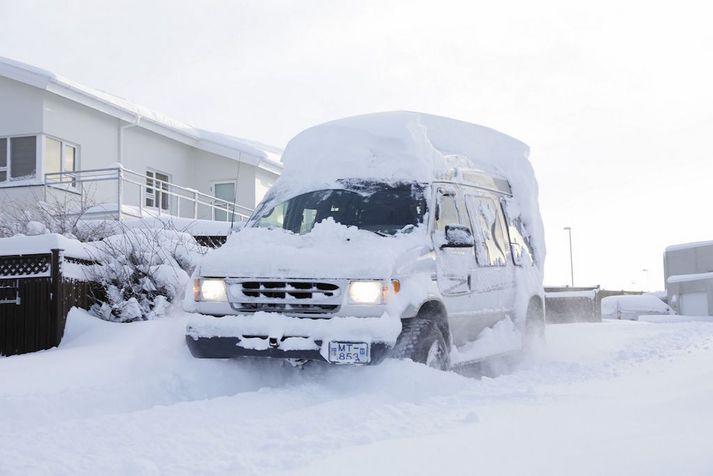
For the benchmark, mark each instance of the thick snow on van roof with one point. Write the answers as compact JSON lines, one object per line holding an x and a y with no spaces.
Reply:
{"x":409,"y":146}
{"x":398,"y":146}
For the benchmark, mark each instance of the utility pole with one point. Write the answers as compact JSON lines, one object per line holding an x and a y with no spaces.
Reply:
{"x":571,"y":262}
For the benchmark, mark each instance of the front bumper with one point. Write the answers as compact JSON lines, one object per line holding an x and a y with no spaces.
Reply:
{"x":278,"y":336}
{"x":229,"y":347}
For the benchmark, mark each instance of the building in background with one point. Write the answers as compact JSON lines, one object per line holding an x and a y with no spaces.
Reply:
{"x":688,"y":271}
{"x":63,"y":141}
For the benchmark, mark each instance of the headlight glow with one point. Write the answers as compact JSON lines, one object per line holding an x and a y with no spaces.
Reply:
{"x":366,"y":292}
{"x":213,"y":290}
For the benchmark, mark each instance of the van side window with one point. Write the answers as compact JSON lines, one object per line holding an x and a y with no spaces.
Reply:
{"x":520,"y":245}
{"x":447,"y":213}
{"x":491,"y":241}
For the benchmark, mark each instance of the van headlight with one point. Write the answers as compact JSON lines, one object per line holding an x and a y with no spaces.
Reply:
{"x":212,"y":290}
{"x":367,"y":292}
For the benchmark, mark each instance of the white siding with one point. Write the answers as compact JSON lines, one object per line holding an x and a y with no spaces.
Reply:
{"x":263,"y":181}
{"x":29,"y":110}
{"x":21,"y":108}
{"x":96,"y":133}
{"x":214,"y":168}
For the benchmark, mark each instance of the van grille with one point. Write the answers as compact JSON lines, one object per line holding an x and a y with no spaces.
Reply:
{"x":292,"y":297}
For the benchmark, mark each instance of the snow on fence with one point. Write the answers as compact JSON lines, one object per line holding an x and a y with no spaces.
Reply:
{"x":37,"y":290}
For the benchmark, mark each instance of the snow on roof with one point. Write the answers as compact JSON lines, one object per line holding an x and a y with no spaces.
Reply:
{"x":400,"y":145}
{"x":229,"y":146}
{"x":684,"y":278}
{"x":687,"y":246}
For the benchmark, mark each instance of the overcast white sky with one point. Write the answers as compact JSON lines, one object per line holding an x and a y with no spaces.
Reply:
{"x":614,"y":98}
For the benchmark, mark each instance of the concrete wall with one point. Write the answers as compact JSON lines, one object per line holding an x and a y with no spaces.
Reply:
{"x":694,"y":297}
{"x":689,"y":260}
{"x":694,"y":294}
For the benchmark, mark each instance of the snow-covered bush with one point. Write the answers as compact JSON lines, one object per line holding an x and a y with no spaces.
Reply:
{"x":143,"y":270}
{"x":53,"y":215}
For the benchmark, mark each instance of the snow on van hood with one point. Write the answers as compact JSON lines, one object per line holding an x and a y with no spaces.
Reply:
{"x":408,"y":147}
{"x":330,"y":250}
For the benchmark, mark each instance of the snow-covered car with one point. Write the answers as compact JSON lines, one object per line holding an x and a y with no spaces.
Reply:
{"x":632,"y":306}
{"x":394,"y":234}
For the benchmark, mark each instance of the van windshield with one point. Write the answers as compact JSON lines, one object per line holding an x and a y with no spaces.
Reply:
{"x":381,"y":208}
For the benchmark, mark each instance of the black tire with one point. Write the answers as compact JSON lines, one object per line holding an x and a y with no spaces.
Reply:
{"x":534,"y":326}
{"x":422,"y":341}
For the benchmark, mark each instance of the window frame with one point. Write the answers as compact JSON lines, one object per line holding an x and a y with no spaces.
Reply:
{"x":39,"y":154}
{"x":517,"y":227}
{"x":6,"y":168}
{"x":505,"y":252}
{"x":153,"y":194}
{"x":235,"y":196}
{"x":62,"y":144}
{"x":447,"y":191}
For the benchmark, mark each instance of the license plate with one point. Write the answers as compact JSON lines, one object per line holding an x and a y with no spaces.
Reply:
{"x":349,"y":352}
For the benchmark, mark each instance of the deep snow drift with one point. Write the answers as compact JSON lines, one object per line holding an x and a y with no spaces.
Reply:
{"x":606,"y":398}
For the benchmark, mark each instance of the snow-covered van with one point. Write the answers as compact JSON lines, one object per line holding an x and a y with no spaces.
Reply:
{"x":396,"y":234}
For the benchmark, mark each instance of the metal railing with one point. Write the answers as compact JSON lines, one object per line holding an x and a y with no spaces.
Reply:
{"x":134,"y":190}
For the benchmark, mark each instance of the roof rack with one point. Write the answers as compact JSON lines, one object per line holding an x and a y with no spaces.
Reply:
{"x":481,"y":179}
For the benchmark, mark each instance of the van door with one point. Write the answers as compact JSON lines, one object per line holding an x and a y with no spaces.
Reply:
{"x":493,"y":279}
{"x":454,"y":265}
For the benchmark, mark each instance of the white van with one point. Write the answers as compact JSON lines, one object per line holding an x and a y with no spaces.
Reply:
{"x":397,"y":234}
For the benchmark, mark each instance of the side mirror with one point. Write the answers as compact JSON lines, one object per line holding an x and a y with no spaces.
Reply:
{"x":458,"y":236}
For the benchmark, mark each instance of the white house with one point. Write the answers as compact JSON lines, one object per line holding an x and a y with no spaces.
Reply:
{"x":688,"y":270}
{"x":70,"y":142}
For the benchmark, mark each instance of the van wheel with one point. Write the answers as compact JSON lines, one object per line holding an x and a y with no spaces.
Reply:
{"x":534,"y":326}
{"x":422,"y":341}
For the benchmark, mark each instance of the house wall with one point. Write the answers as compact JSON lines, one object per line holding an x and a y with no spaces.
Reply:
{"x":28,"y":110}
{"x":689,"y":260}
{"x":215,"y":168}
{"x":187,"y":167}
{"x":263,"y":181}
{"x":94,"y":132}
{"x":21,"y":108}
{"x":694,"y":297}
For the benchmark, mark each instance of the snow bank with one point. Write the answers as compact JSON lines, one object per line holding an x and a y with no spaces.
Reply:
{"x":674,"y":318}
{"x":195,"y":227}
{"x":606,"y":398}
{"x":27,"y":245}
{"x":502,"y":338}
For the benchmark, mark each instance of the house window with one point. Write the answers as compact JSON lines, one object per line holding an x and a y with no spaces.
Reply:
{"x":156,"y":189}
{"x":59,"y":156}
{"x":18,"y":158}
{"x":224,"y":191}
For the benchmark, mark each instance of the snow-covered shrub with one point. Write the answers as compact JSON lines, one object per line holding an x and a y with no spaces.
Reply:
{"x":60,"y":215}
{"x":143,"y":270}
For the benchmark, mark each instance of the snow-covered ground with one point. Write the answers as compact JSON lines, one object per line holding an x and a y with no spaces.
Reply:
{"x":603,"y":398}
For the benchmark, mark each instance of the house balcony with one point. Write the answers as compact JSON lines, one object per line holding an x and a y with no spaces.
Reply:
{"x":121,"y":194}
